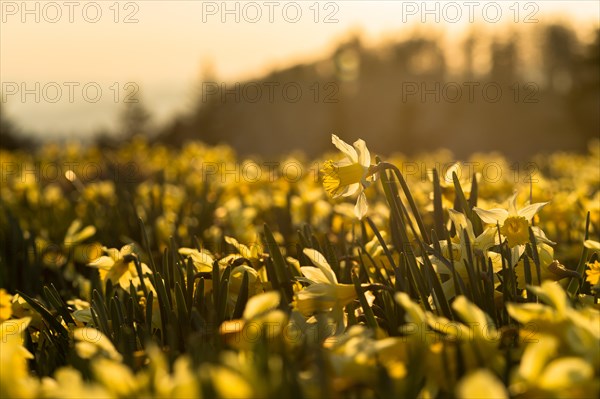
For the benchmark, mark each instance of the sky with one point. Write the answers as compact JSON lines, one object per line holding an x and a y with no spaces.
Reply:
{"x":67,"y":67}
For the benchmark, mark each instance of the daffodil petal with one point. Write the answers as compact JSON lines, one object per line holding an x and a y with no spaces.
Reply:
{"x":314,"y":274}
{"x":103,"y":262}
{"x":458,"y":218}
{"x":344,"y":147}
{"x":261,"y":303}
{"x":448,"y":175}
{"x":487,"y":239}
{"x":75,"y":225}
{"x":565,"y":373}
{"x":512,"y":204}
{"x":319,"y":260}
{"x":349,"y":190}
{"x":591,"y":244}
{"x":472,"y":314}
{"x":364,"y":156}
{"x":515,"y":253}
{"x":540,"y":236}
{"x":536,"y":356}
{"x":414,"y":313}
{"x":481,"y":384}
{"x":530,"y":210}
{"x":360,"y":210}
{"x":96,"y":338}
{"x":492,"y":216}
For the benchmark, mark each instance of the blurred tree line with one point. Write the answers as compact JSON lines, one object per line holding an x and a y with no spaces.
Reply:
{"x":512,"y":94}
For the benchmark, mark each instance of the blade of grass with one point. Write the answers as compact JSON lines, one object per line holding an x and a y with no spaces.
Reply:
{"x":370,"y":317}
{"x":242,"y":298}
{"x":53,"y":323}
{"x":575,"y":283}
{"x":282,"y":272}
{"x":438,"y":210}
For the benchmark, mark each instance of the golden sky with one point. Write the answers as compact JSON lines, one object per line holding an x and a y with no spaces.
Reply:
{"x":161,"y":46}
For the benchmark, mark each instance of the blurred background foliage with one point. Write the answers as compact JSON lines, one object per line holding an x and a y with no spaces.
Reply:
{"x":548,"y":76}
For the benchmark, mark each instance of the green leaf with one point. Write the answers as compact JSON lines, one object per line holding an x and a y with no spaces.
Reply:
{"x":438,"y":209}
{"x":99,"y":306}
{"x":242,"y":298}
{"x":438,"y":292}
{"x":370,"y":317}
{"x":182,"y":311}
{"x":53,"y":297}
{"x":575,"y":283}
{"x":53,"y":323}
{"x":281,"y":270}
{"x":147,"y":245}
{"x":465,"y":207}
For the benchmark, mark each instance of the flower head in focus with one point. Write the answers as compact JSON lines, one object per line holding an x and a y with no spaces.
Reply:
{"x":350,"y":175}
{"x":514,"y":224}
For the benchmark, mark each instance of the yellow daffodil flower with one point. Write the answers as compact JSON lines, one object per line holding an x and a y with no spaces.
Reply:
{"x":349,"y":176}
{"x":481,"y":384}
{"x":460,"y":251}
{"x":5,"y":305}
{"x":118,"y":267}
{"x":593,"y":274}
{"x":15,"y":380}
{"x":514,"y":224}
{"x":323,"y":293}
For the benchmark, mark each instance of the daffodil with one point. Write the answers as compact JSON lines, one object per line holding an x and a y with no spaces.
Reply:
{"x":254,"y":253}
{"x":460,"y":251}
{"x":447,"y":183}
{"x":68,"y":382}
{"x":481,"y":384}
{"x":15,"y":380}
{"x":261,"y":320}
{"x":562,"y":355}
{"x":90,"y":342}
{"x":201,"y":259}
{"x":356,"y":356}
{"x":5,"y":305}
{"x":593,"y":273}
{"x":514,"y":224}
{"x":577,"y":330}
{"x":350,"y":175}
{"x":118,"y":266}
{"x":473,"y":334}
{"x":323,"y":293}
{"x":550,"y":269}
{"x":593,"y":245}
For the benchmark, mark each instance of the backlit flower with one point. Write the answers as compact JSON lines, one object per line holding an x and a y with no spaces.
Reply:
{"x":349,"y":176}
{"x":514,"y":223}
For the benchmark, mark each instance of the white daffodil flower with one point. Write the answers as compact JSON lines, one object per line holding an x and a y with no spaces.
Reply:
{"x":460,"y":251}
{"x":323,"y":293}
{"x":514,"y":224}
{"x":349,"y":176}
